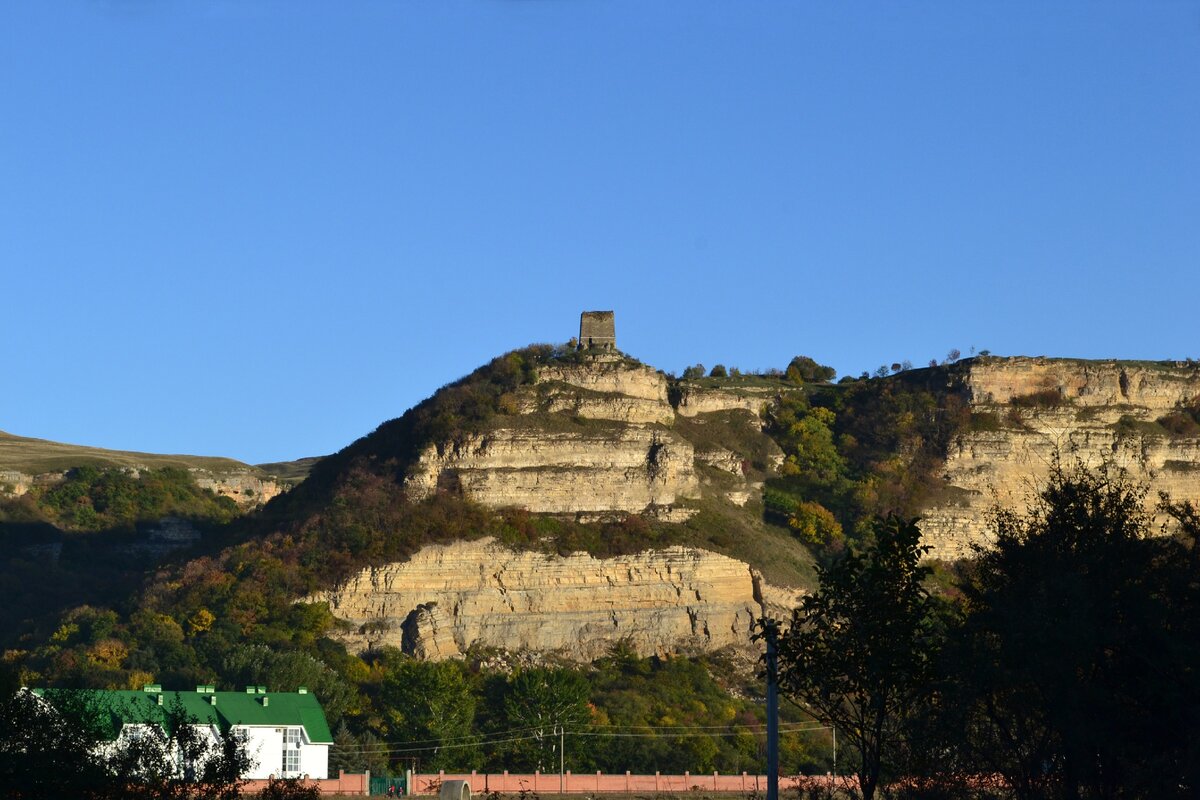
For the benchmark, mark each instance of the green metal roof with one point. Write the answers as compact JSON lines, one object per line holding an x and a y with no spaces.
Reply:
{"x":231,"y":708}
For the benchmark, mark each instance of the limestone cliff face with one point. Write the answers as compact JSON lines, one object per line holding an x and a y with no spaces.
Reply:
{"x":1108,"y":411}
{"x":587,"y":439}
{"x":450,"y":597}
{"x":610,"y":375}
{"x":629,"y":469}
{"x":245,"y":489}
{"x":694,"y":400}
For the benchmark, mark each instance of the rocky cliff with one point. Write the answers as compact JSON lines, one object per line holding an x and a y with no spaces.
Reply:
{"x":588,"y":439}
{"x":449,"y":598}
{"x":1027,"y":411}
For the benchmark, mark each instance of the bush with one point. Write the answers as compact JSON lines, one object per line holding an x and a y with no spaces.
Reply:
{"x":1043,"y":398}
{"x":985,"y":421}
{"x":1180,"y":424}
{"x":289,"y":789}
{"x":803,"y":369}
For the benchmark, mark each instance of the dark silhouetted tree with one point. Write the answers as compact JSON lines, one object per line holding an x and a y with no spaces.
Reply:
{"x":858,"y":651}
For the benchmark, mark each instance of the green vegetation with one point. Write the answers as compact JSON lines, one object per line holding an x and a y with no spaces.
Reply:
{"x":862,"y":449}
{"x":1064,"y":667}
{"x":803,"y":369}
{"x":93,"y":499}
{"x":1042,"y":398}
{"x":1183,"y":422}
{"x":622,"y":712}
{"x":859,"y":651}
{"x":51,"y":746}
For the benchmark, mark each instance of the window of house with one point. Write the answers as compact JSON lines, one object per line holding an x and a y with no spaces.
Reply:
{"x":291,"y":751}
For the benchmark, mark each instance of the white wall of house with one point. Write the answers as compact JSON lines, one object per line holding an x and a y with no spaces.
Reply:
{"x":314,"y":760}
{"x":264,"y":745}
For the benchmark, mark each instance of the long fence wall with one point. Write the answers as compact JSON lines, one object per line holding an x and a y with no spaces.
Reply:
{"x":591,"y":782}
{"x":343,"y":784}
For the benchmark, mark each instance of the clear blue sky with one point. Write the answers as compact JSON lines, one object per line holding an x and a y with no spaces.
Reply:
{"x":258,"y":229}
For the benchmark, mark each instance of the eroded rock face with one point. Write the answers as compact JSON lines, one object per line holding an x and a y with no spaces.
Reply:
{"x":245,"y":489}
{"x":1106,"y":415}
{"x":610,"y":376}
{"x":587,"y":439}
{"x":450,"y":597}
{"x":628,"y":468}
{"x":694,"y":400}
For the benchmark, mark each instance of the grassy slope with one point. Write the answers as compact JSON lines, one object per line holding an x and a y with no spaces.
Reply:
{"x":290,"y":471}
{"x":36,"y":456}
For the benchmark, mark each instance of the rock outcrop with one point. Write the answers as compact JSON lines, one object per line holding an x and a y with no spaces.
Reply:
{"x":627,"y":468}
{"x":588,"y":438}
{"x":246,"y":489}
{"x":448,"y":598}
{"x":694,"y":400}
{"x":1037,"y":409}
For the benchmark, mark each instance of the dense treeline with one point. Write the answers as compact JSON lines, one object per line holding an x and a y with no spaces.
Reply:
{"x":95,"y":499}
{"x":1067,"y":668}
{"x":861,"y":449}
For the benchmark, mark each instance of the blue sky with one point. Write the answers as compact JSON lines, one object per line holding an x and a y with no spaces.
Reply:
{"x":258,"y":229}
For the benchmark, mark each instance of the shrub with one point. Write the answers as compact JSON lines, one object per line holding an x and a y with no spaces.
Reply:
{"x":1179,"y":423}
{"x":985,"y":421}
{"x":289,"y":789}
{"x":1042,"y":398}
{"x":803,"y":369}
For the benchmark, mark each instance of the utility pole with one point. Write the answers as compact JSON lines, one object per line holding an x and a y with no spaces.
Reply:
{"x":770,"y":631}
{"x":561,"y":756}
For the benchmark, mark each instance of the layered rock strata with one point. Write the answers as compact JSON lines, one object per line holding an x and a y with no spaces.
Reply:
{"x":587,"y":439}
{"x":694,"y":400}
{"x":628,"y":469}
{"x":1107,"y":414}
{"x":449,"y":598}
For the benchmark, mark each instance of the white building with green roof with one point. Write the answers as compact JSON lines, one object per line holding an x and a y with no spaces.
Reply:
{"x":286,"y":733}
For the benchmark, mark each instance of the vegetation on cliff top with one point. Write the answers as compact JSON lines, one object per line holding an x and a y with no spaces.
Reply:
{"x":861,"y":449}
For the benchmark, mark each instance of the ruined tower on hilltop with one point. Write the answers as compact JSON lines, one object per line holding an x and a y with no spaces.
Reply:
{"x":597,"y":331}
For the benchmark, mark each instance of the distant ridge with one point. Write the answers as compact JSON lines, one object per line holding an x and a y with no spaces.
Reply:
{"x":36,"y":456}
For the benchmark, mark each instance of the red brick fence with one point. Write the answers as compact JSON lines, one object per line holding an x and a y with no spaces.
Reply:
{"x":342,"y":784}
{"x":592,"y":782}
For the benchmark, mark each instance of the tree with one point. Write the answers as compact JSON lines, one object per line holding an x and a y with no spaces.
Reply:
{"x":858,"y":651}
{"x":803,"y":369}
{"x":693,"y":372}
{"x":719,"y":371}
{"x":1077,"y":658}
{"x":816,"y":526}
{"x":60,"y":744}
{"x":430,"y":702}
{"x":537,"y":701}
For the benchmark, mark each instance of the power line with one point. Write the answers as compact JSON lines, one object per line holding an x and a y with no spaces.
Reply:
{"x":387,"y":748}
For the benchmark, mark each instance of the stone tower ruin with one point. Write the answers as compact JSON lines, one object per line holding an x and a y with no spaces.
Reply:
{"x":597,"y":331}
